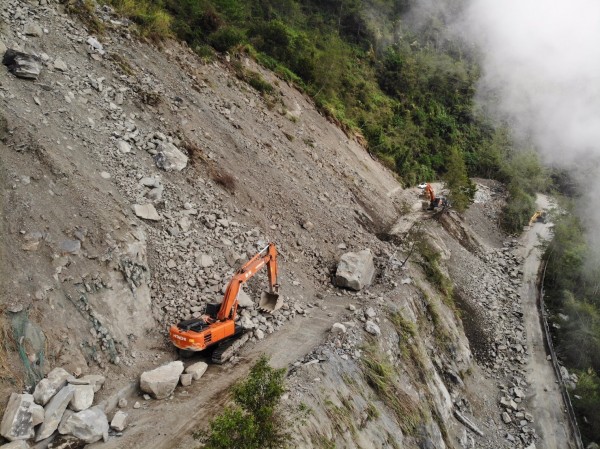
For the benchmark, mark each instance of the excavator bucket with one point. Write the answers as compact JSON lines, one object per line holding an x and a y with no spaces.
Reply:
{"x":270,"y":302}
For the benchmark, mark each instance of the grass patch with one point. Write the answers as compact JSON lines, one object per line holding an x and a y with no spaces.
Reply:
{"x":122,"y":63}
{"x":6,"y":372}
{"x":85,"y":11}
{"x":341,"y":417}
{"x":380,"y":375}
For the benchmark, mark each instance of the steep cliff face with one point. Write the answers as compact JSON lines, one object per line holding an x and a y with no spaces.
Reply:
{"x":136,"y":180}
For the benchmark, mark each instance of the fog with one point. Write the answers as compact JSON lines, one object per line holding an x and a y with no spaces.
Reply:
{"x":541,"y":74}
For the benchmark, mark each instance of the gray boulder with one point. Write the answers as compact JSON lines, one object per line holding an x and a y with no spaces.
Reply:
{"x":53,"y":412}
{"x":146,"y":211}
{"x":46,"y":388}
{"x":355,"y":270}
{"x":197,"y":370}
{"x":372,"y":328}
{"x":17,"y":444}
{"x":161,"y":382}
{"x":88,"y":425}
{"x":83,"y":398}
{"x":17,"y":422}
{"x":22,"y":64}
{"x":67,"y":442}
{"x":95,"y":380}
{"x":119,"y":421}
{"x":169,"y":157}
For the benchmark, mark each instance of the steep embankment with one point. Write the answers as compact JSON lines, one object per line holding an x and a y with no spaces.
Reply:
{"x":94,"y":281}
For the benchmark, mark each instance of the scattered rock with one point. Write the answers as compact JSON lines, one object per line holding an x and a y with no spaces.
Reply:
{"x":197,"y":370}
{"x":355,"y":270}
{"x":88,"y":425}
{"x":17,"y":444}
{"x":124,"y":147}
{"x":48,"y":387}
{"x":70,"y":247}
{"x":161,"y":382}
{"x":17,"y":422}
{"x":33,"y":29}
{"x":244,"y":300}
{"x":119,"y":421}
{"x":169,"y":157}
{"x":83,"y":398}
{"x":53,"y":412}
{"x":60,"y":65}
{"x":22,"y":64}
{"x":338,"y":328}
{"x":95,"y":380}
{"x":146,"y":211}
{"x":372,"y":328}
{"x":186,"y":380}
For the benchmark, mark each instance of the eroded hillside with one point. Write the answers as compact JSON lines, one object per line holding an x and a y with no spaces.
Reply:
{"x":136,"y":178}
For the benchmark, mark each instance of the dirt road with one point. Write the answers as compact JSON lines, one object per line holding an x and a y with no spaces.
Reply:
{"x":169,"y":424}
{"x":544,"y":394}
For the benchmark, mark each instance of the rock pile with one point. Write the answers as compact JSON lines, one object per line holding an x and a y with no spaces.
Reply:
{"x":60,"y":403}
{"x":160,"y":383}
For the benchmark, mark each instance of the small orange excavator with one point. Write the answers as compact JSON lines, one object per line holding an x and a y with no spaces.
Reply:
{"x":217,"y":326}
{"x":434,"y":202}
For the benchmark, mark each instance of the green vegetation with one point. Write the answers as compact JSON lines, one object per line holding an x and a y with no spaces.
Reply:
{"x":408,"y":90}
{"x":382,"y":378}
{"x":572,"y":289}
{"x":252,"y":422}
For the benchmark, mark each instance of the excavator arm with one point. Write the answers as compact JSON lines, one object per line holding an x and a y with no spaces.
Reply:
{"x":268,"y":257}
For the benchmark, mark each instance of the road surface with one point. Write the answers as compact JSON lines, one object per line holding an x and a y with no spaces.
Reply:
{"x":544,"y":398}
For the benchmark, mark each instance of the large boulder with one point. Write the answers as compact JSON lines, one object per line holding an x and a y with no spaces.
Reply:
{"x":22,"y":64}
{"x":355,"y":270}
{"x":17,"y":422}
{"x":83,"y":398}
{"x":95,"y":380}
{"x":88,"y":425}
{"x":161,"y":382}
{"x":67,"y":442}
{"x":197,"y":370}
{"x":53,"y":412}
{"x":169,"y":157}
{"x":17,"y":444}
{"x":46,"y":388}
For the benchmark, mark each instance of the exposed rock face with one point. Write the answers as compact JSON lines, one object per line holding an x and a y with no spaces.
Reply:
{"x":46,"y":388}
{"x":54,"y":412}
{"x":22,"y":65}
{"x":161,"y":382}
{"x":355,"y":270}
{"x":88,"y":425}
{"x":17,"y":423}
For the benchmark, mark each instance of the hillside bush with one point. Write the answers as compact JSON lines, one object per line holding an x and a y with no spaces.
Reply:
{"x":252,"y":422}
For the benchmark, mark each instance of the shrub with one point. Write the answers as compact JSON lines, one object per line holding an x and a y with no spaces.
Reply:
{"x":226,"y":38}
{"x":251,"y":423}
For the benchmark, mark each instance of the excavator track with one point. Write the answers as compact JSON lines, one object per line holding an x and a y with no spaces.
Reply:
{"x":225,"y":350}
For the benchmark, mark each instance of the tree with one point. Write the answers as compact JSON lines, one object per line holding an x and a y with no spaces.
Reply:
{"x":252,"y":422}
{"x":462,"y":189}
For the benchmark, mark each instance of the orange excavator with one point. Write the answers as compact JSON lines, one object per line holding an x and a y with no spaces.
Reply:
{"x":217,"y":326}
{"x":434,"y":202}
